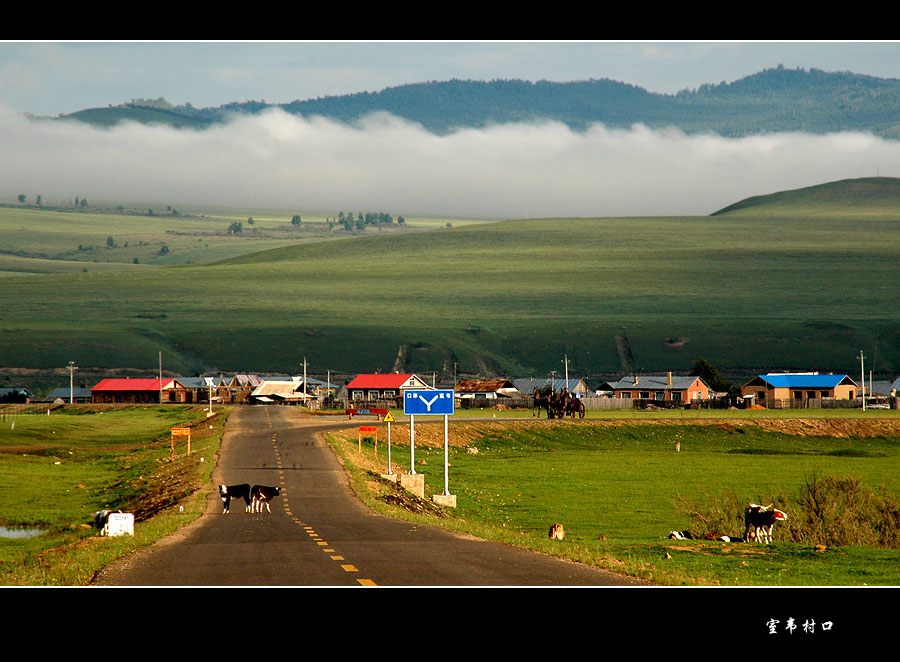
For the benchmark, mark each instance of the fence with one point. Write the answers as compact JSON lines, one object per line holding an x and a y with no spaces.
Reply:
{"x":827,"y":403}
{"x":11,"y":411}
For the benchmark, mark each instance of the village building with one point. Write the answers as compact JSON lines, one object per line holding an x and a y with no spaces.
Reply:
{"x":128,"y":391}
{"x":78,"y":394}
{"x":667,"y":388}
{"x":15,"y":394}
{"x":387,"y":386}
{"x":486,"y":389}
{"x":281,"y":390}
{"x":241,"y":386}
{"x":803,"y":389}
{"x":194,"y":390}
{"x":557,"y":384}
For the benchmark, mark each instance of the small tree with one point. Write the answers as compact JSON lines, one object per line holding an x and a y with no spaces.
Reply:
{"x":110,"y":242}
{"x":22,"y":198}
{"x":296,"y":220}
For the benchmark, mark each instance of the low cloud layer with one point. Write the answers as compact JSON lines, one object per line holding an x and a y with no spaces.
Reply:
{"x":280,"y":161}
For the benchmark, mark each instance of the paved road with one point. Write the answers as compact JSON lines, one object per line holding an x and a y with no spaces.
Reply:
{"x":319,"y":533}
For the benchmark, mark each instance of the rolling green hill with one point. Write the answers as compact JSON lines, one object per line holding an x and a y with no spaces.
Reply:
{"x":870,"y":196}
{"x":778,"y":287}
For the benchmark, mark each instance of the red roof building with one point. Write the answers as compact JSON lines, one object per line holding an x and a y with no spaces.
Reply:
{"x":134,"y":391}
{"x":387,"y":386}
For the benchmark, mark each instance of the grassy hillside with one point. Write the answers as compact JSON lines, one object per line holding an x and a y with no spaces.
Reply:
{"x":63,"y":240}
{"x":748,"y":292}
{"x":872,"y":196}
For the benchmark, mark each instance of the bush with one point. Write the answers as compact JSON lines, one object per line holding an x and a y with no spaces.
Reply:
{"x":827,"y":511}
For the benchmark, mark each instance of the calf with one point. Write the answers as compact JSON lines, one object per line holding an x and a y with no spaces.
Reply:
{"x":262,"y":496}
{"x":762,"y":519}
{"x":229,"y":492}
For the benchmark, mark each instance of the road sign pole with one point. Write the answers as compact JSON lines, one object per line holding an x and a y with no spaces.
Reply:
{"x":412,"y":444}
{"x":446,"y":458}
{"x":389,"y":449}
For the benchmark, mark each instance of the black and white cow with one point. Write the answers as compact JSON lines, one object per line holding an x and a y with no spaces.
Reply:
{"x":680,"y":535}
{"x":761,"y":519}
{"x":101,"y":521}
{"x":229,"y":492}
{"x":262,"y":495}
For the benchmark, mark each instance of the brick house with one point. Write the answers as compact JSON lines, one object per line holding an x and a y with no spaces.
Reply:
{"x":799,"y":388}
{"x":378,"y":386}
{"x":133,"y":391}
{"x":662,"y":388}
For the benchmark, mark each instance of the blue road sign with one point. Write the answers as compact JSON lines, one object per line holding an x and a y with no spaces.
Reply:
{"x":434,"y":402}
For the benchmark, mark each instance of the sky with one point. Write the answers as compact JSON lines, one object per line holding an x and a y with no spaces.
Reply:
{"x":384,"y":164}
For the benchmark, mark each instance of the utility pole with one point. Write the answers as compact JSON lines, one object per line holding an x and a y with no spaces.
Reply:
{"x":862,"y":375}
{"x":304,"y":380}
{"x":72,"y":368}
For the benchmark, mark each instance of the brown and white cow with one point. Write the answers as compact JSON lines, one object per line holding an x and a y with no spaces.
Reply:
{"x":761,"y":519}
{"x":262,"y":495}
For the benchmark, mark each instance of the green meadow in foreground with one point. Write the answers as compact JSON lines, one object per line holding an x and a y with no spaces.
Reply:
{"x":58,"y":470}
{"x":620,"y":488}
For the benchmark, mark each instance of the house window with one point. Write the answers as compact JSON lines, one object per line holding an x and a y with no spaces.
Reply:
{"x":824,"y":394}
{"x":645,"y":395}
{"x":676,"y":396}
{"x":660,"y":395}
{"x":388,"y":394}
{"x":359,"y":395}
{"x":625,"y":394}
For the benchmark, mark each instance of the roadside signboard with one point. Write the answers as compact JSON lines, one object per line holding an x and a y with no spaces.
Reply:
{"x":431,"y":402}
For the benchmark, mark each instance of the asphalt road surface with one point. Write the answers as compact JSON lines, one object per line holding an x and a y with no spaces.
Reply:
{"x":319,"y":533}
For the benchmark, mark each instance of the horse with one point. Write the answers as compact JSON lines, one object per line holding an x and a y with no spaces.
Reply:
{"x":540,"y":402}
{"x":575,"y":406}
{"x":557,"y":406}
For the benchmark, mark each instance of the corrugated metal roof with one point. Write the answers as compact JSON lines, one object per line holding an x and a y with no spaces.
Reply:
{"x":655,"y":382}
{"x":128,"y":385}
{"x":483,"y":385}
{"x":804,"y":380}
{"x":386,"y":380}
{"x":63,"y":392}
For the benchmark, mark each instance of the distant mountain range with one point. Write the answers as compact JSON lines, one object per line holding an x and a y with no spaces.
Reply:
{"x":774,"y":100}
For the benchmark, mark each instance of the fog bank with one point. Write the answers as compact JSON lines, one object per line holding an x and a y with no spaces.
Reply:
{"x":276,"y":160}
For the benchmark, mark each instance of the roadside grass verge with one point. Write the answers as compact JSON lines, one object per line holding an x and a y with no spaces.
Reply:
{"x":60,"y":469}
{"x":619,"y":488}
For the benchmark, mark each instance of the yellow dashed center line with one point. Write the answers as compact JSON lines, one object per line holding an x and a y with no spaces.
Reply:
{"x":348,"y":567}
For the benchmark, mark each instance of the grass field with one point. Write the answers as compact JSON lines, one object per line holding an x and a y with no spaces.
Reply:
{"x":617,"y":484}
{"x":47,"y":241}
{"x":619,"y":487}
{"x":777,"y":287}
{"x":58,"y":470}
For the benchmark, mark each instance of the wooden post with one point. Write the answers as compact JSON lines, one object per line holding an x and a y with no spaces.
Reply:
{"x":181,"y":432}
